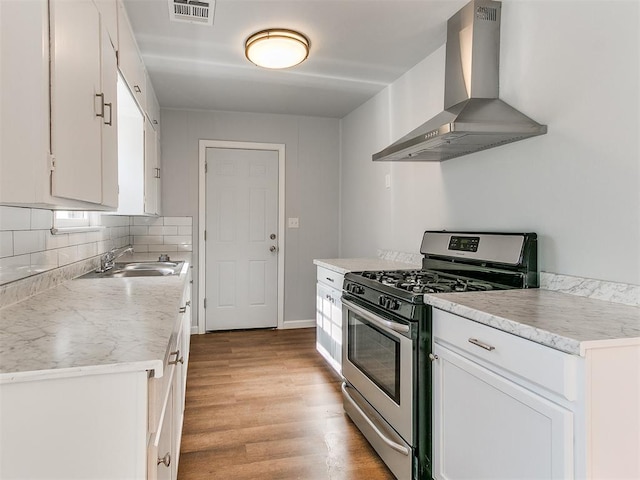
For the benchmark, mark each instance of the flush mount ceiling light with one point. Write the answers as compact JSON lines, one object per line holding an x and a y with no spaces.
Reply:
{"x":277,"y":48}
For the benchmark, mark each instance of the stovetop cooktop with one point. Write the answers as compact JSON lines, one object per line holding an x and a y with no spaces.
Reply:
{"x":425,"y":281}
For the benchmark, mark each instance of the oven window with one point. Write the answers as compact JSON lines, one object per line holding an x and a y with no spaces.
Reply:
{"x":376,"y":354}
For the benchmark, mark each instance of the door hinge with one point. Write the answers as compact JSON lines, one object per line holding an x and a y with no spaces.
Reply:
{"x":206,"y":168}
{"x":205,"y":235}
{"x":205,"y":303}
{"x":52,"y":162}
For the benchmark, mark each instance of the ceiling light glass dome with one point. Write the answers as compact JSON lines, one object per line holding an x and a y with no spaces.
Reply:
{"x":277,"y":48}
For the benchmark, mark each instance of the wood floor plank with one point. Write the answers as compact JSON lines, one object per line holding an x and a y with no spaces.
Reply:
{"x":263,"y":404}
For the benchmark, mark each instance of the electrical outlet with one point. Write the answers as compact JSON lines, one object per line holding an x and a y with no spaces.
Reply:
{"x":294,"y":222}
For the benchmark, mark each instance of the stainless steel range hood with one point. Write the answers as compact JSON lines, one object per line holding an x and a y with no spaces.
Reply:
{"x":474,"y":117}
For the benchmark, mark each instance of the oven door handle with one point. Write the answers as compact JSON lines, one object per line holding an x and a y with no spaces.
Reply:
{"x":384,"y":324}
{"x":396,"y":446}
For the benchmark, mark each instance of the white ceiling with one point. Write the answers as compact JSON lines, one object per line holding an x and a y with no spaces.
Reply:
{"x":358,"y":47}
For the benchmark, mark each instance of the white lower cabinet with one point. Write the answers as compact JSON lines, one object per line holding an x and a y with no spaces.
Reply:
{"x":98,"y":423}
{"x":508,"y":408}
{"x":486,"y":426}
{"x":329,"y":317}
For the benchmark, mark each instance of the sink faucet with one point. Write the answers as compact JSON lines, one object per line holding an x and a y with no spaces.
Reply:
{"x":107,"y":260}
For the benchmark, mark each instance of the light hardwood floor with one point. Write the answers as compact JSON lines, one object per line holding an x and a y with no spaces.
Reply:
{"x":262,"y":404}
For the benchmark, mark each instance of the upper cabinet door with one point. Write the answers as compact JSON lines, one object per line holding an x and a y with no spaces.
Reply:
{"x":109,"y":123}
{"x":109,"y":14}
{"x":77,"y":100}
{"x":129,"y":60}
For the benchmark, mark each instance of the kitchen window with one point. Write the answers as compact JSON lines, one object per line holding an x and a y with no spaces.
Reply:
{"x":65,"y":221}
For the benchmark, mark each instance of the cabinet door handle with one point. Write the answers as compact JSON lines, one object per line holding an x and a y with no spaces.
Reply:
{"x":182,"y":309}
{"x":110,"y":122}
{"x":178,"y":359}
{"x":480,"y":344}
{"x":157,"y":175}
{"x":166,"y":460}
{"x":330,"y":279}
{"x":101,"y":97}
{"x":137,"y":89}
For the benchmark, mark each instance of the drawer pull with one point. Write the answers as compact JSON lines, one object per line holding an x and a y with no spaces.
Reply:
{"x":477,"y":342}
{"x":178,"y":358}
{"x":166,"y":460}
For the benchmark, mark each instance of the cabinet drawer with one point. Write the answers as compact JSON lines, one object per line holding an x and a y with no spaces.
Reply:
{"x":331,"y":278}
{"x":543,"y":366}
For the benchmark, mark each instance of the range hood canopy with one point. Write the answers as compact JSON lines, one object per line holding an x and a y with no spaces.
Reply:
{"x":474,"y":117}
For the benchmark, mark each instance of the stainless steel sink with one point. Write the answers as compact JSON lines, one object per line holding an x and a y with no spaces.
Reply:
{"x":139,"y":269}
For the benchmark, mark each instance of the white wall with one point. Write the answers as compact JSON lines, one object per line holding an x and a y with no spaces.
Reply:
{"x":573,"y":65}
{"x":312,"y":194}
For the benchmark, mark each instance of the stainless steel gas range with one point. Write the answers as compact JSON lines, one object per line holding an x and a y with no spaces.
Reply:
{"x":387,"y":336}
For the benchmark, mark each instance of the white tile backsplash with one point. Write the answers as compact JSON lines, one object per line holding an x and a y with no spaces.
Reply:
{"x":148,"y":221}
{"x":139,"y":230}
{"x":45,"y":260}
{"x":41,"y":219}
{"x":28,"y":241}
{"x":6,"y":244}
{"x":158,"y":230}
{"x":163,"y":248}
{"x":178,"y":221}
{"x":27,"y":246}
{"x":14,"y":218}
{"x":68,"y":255}
{"x":162,"y":234}
{"x":178,"y":240}
{"x":148,"y":239}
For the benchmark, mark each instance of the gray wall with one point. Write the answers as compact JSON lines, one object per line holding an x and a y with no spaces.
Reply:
{"x":573,"y":65}
{"x":312,"y":192}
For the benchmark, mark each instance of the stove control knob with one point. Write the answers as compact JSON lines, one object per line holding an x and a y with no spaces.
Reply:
{"x":394,"y":304}
{"x":358,"y":289}
{"x":382,"y":301}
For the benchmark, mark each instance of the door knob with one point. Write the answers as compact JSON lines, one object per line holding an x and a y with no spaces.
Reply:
{"x":272,"y":236}
{"x":273,"y":248}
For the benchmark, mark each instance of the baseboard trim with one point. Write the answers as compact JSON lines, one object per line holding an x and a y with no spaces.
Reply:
{"x":299,"y":324}
{"x":194,"y":330}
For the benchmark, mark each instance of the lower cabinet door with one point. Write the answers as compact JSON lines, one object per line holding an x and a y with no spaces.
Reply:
{"x":488,"y":427}
{"x":160,"y":455}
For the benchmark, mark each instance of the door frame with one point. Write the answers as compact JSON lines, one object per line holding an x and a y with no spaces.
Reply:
{"x":202,"y":211}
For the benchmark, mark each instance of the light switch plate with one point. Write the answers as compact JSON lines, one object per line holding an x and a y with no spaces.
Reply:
{"x":293,"y":222}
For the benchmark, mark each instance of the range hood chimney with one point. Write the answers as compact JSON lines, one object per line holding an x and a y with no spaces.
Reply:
{"x":474,"y":118}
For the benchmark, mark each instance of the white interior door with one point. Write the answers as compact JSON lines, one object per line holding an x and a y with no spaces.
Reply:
{"x":241,"y":244}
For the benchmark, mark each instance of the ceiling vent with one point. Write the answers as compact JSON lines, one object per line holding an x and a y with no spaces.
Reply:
{"x":192,"y":11}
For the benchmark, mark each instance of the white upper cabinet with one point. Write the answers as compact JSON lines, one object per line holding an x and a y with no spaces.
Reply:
{"x":130,"y":63}
{"x":153,"y":107}
{"x":151,"y":170}
{"x":109,"y":123}
{"x":109,"y":14}
{"x":76,"y":100}
{"x":54,"y":134}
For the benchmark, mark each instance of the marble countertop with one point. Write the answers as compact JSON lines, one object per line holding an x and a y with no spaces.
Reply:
{"x":345,"y":265}
{"x":91,"y":325}
{"x":562,"y":321}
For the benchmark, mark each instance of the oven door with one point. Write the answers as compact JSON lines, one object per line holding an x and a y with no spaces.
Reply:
{"x":378,"y":362}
